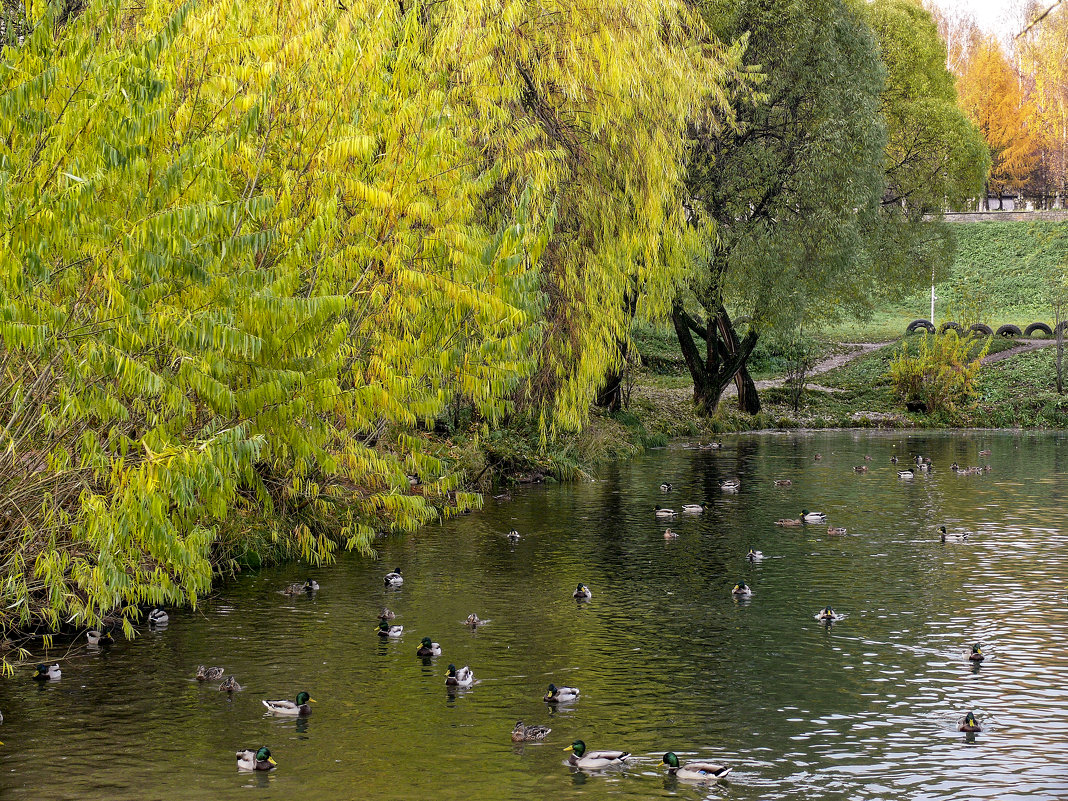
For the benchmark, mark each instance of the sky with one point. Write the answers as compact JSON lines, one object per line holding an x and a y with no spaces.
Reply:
{"x":994,"y":16}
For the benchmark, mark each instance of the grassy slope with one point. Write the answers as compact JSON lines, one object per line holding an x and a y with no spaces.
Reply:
{"x":1002,"y":274}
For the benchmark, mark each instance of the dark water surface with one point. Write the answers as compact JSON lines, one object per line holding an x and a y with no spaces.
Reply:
{"x":664,"y":656}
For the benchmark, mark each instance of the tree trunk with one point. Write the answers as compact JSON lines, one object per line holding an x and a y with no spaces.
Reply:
{"x":610,"y":396}
{"x":723,"y":361}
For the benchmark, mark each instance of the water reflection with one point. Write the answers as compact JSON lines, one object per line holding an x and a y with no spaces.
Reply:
{"x":664,"y":656}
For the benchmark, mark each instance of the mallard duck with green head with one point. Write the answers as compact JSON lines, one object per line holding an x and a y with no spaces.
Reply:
{"x":754,"y":556}
{"x":205,"y":673}
{"x":96,"y":638}
{"x":694,"y":771}
{"x":952,"y":536}
{"x":828,"y":615}
{"x":582,"y":593}
{"x":977,"y":653}
{"x":260,"y":759}
{"x":969,"y":724}
{"x":459,"y":677}
{"x":394,"y":579}
{"x":47,"y":673}
{"x":813,"y":517}
{"x":561,"y":695}
{"x":289,"y":708}
{"x":428,"y":647}
{"x":581,"y":758}
{"x":386,"y":630}
{"x":741,"y":590}
{"x":526,"y":734}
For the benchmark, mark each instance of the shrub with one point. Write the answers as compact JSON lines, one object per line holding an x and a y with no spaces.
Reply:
{"x":942,"y":371}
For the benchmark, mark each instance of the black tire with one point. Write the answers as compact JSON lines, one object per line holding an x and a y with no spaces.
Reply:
{"x":916,"y":325}
{"x":951,"y":326}
{"x":1042,"y":327}
{"x":1009,"y":330}
{"x":981,"y":328}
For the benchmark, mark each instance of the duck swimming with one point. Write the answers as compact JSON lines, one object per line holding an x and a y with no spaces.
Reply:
{"x":230,"y":685}
{"x":394,"y":579}
{"x":730,"y":485}
{"x":513,"y":536}
{"x":209,"y":673}
{"x":385,"y":614}
{"x":694,"y":771}
{"x":289,"y":708}
{"x":828,"y":615}
{"x":754,"y":556}
{"x":386,"y":630}
{"x":969,"y":724}
{"x":977,"y":654}
{"x":783,"y":482}
{"x":582,"y":593}
{"x":297,"y":589}
{"x":255,"y":760}
{"x":474,"y":621}
{"x":836,"y":531}
{"x":581,"y":758}
{"x":428,"y":648}
{"x":741,"y":590}
{"x":813,"y":517}
{"x":860,"y":468}
{"x":665,"y":487}
{"x":526,"y":734}
{"x":955,"y":536}
{"x":670,"y":535}
{"x":789,"y":522}
{"x":47,"y":673}
{"x":557,"y":695}
{"x":157,"y":617}
{"x":692,"y":508}
{"x":462,"y":677}
{"x":665,"y":512}
{"x":94,"y":637}
{"x":910,"y":473}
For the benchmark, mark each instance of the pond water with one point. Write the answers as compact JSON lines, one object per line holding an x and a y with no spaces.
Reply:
{"x":664,"y":656}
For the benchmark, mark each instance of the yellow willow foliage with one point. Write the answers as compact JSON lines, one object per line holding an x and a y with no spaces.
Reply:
{"x":249,"y":249}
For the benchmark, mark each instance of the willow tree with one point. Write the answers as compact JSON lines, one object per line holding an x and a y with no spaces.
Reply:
{"x":253,"y":251}
{"x":790,"y":188}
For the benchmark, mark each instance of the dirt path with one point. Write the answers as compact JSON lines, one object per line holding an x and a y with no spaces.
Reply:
{"x":825,"y":366}
{"x":1025,"y":346}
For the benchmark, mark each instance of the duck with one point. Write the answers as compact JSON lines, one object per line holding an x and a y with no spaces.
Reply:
{"x":867,"y":458}
{"x":741,"y":590}
{"x":954,"y":467}
{"x":860,"y":468}
{"x":94,"y":637}
{"x":711,"y":446}
{"x":428,"y":647}
{"x":893,"y":460}
{"x":47,"y":673}
{"x":386,"y":630}
{"x":513,"y":536}
{"x":783,"y":482}
{"x":157,"y":617}
{"x":670,"y":535}
{"x":525,"y":734}
{"x":462,"y":677}
{"x":260,"y":759}
{"x":289,"y":708}
{"x":582,"y":593}
{"x":296,"y":589}
{"x":504,"y":496}
{"x":474,"y":621}
{"x":985,"y":453}
{"x":969,"y":724}
{"x":789,"y":522}
{"x":730,"y":485}
{"x":836,"y":531}
{"x":665,"y":487}
{"x":229,"y":685}
{"x":581,"y":758}
{"x":813,"y":517}
{"x":955,"y":536}
{"x":977,"y":653}
{"x":557,"y":695}
{"x":828,"y":615}
{"x":910,"y":473}
{"x":924,"y":467}
{"x":665,"y":512}
{"x":385,"y":614}
{"x":754,"y":556}
{"x":694,"y":771}
{"x":692,"y":508}
{"x":919,"y":459}
{"x":394,"y":579}
{"x":209,"y":673}
{"x":817,"y":456}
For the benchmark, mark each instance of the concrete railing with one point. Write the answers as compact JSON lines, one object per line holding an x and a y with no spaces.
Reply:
{"x":1052,"y":215}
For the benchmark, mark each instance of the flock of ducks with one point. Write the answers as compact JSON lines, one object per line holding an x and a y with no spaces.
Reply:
{"x":828,"y":615}
{"x":580,"y":757}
